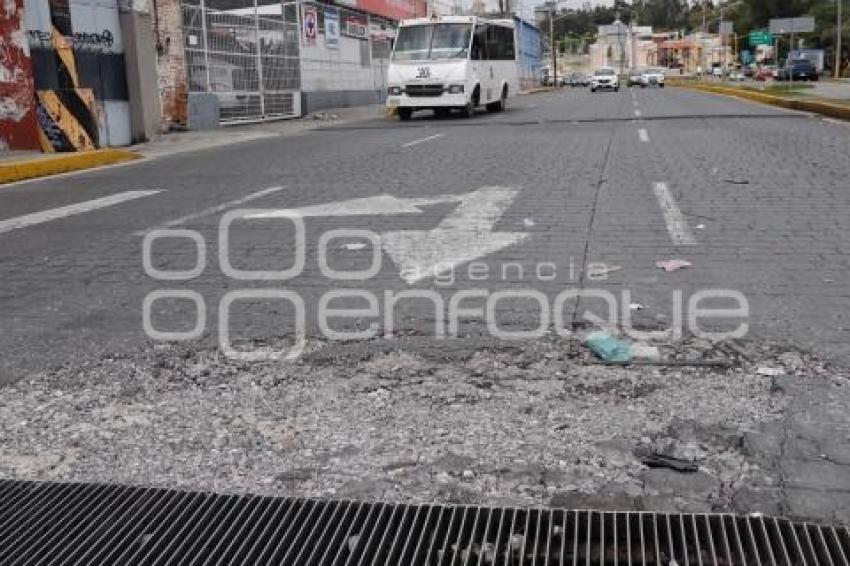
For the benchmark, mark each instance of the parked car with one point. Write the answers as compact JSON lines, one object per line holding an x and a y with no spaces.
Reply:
{"x":717,"y":70}
{"x":653,"y":76}
{"x":605,"y":78}
{"x":798,"y":70}
{"x":765,"y":73}
{"x":577,"y":79}
{"x":634,"y":77}
{"x":736,"y":74}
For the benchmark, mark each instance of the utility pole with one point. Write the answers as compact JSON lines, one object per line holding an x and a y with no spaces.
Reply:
{"x":554,"y":53}
{"x":722,"y":39}
{"x":838,"y":31}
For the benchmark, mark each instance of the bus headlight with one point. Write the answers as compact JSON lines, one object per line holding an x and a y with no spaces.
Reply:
{"x":455,"y":89}
{"x":394,"y":90}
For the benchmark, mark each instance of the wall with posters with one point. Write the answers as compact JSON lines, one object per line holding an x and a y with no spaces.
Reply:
{"x":343,"y":60}
{"x":17,"y":103}
{"x":79,"y":73}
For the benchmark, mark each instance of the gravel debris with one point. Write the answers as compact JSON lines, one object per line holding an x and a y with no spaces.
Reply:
{"x":512,"y":424}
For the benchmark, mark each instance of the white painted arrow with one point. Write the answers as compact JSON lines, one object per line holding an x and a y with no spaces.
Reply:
{"x":464,"y":235}
{"x":368,"y":206}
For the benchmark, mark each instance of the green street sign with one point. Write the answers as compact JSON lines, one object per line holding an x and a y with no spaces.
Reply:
{"x":760,"y":37}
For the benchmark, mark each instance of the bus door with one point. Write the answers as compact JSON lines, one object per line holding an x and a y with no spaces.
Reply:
{"x":481,"y":64}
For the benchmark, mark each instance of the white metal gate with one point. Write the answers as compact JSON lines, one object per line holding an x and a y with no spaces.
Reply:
{"x":245,"y":52}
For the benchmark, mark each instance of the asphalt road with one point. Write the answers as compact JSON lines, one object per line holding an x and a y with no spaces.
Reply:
{"x":558,"y":186}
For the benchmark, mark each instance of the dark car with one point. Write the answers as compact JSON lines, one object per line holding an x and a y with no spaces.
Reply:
{"x":798,"y":70}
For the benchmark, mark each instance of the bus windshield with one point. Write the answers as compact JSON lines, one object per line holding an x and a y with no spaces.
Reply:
{"x":432,"y":41}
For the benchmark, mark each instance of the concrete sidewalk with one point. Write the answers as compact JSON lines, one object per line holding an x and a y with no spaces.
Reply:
{"x":19,"y":166}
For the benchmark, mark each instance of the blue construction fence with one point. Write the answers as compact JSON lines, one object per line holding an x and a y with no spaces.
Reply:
{"x":530,"y":53}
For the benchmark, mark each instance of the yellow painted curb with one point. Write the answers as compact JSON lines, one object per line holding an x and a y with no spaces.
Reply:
{"x":51,"y":164}
{"x":815,"y":106}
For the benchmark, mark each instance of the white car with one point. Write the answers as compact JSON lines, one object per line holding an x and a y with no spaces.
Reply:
{"x":652,"y":77}
{"x":604,"y":78}
{"x":634,"y":77}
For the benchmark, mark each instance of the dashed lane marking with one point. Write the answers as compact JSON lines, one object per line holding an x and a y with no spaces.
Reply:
{"x":70,"y":210}
{"x":643,"y":135}
{"x":211,"y":210}
{"x":422,"y":140}
{"x":677,"y":226}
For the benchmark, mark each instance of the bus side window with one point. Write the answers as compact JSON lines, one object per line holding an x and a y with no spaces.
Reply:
{"x":510,"y":50}
{"x":500,"y":43}
{"x":479,"y":43}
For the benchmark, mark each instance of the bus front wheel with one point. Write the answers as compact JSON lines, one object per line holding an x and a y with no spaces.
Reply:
{"x":405,"y":113}
{"x":501,"y":104}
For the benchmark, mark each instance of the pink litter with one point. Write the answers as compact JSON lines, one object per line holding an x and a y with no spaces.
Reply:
{"x":669,"y":265}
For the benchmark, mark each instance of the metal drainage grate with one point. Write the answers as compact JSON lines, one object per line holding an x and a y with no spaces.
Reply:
{"x":53,"y":523}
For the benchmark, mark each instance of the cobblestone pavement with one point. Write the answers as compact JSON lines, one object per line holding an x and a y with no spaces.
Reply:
{"x":567,"y":190}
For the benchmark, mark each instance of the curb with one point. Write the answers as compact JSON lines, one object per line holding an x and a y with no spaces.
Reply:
{"x":18,"y":170}
{"x":815,"y":106}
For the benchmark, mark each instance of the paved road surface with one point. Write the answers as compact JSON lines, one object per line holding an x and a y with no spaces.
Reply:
{"x":755,"y":198}
{"x":541,"y":200}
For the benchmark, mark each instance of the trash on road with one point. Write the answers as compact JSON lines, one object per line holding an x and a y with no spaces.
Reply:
{"x":738,"y":181}
{"x":354,"y":246}
{"x":645,"y":352}
{"x":669,"y":265}
{"x":607,"y":348}
{"x":770,"y":372}
{"x":528,"y":221}
{"x":669,"y":462}
{"x":700,"y":226}
{"x":605,"y":270}
{"x":636,"y":306}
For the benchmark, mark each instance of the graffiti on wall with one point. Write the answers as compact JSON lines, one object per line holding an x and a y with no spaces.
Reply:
{"x":17,"y":106}
{"x":67,"y":116}
{"x":80,"y":76}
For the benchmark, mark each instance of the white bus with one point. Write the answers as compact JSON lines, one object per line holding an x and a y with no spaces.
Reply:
{"x":452,"y":62}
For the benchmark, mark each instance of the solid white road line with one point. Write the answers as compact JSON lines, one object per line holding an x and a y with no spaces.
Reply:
{"x":208,"y":211}
{"x":415,"y":142}
{"x":70,"y":210}
{"x":678,"y":228}
{"x":643,"y":135}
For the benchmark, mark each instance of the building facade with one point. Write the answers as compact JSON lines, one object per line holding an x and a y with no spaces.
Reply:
{"x":18,"y":129}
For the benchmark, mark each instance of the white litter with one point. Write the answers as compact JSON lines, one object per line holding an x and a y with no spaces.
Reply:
{"x":354,"y":246}
{"x":770,"y":372}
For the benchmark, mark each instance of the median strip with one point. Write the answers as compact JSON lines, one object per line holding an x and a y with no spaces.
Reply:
{"x":51,"y":164}
{"x":822,"y":107}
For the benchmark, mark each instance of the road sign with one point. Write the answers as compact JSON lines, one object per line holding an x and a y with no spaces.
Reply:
{"x":332,"y":28}
{"x":779,"y":26}
{"x":727,"y":28}
{"x":760,"y":37}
